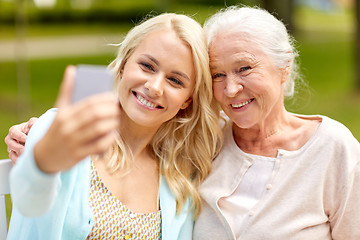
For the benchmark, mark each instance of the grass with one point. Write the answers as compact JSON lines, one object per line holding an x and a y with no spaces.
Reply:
{"x":54,"y":30}
{"x":330,"y":76}
{"x":45,"y":78}
{"x":314,"y":20}
{"x":327,"y":45}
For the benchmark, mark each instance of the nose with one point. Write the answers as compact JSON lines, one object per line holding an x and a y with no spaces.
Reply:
{"x":232,"y":86}
{"x":154,"y":85}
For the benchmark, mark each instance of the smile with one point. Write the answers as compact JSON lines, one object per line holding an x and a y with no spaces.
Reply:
{"x":146,"y":102}
{"x":239,"y":105}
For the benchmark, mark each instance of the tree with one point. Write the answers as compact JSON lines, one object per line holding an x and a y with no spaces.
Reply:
{"x":357,"y":45}
{"x":283,"y":10}
{"x":23,"y":82}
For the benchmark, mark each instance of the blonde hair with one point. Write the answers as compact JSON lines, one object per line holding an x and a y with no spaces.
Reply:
{"x":186,"y":144}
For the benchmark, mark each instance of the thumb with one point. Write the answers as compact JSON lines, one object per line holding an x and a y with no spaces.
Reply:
{"x":66,"y":87}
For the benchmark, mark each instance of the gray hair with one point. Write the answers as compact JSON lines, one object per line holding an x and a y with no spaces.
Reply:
{"x":263,"y":28}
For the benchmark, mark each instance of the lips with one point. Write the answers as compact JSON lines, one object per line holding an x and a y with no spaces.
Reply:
{"x":242,"y":104}
{"x":146,"y":102}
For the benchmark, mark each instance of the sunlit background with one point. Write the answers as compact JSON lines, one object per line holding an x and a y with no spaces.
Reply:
{"x":39,"y":38}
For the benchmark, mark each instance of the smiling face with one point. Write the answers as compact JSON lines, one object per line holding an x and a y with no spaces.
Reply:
{"x":245,"y":82}
{"x":157,"y":80}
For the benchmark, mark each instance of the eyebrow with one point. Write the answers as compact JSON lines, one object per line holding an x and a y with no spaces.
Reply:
{"x":175,"y":72}
{"x":152,"y":58}
{"x":246,"y":57}
{"x":181,"y":74}
{"x":249,"y":59}
{"x":242,"y":58}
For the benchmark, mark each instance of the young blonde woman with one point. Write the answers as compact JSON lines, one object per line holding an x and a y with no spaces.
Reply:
{"x":78,"y":180}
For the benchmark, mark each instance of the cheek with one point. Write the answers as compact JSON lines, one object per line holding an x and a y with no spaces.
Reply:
{"x":218,"y":91}
{"x":174,"y":97}
{"x":122,"y":88}
{"x":182,"y":99}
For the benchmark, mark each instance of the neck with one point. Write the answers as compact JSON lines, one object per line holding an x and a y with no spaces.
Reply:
{"x":264,"y":135}
{"x":136,"y":136}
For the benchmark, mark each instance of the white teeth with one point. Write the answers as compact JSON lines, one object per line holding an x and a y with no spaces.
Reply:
{"x":145,"y":102}
{"x":240,"y":104}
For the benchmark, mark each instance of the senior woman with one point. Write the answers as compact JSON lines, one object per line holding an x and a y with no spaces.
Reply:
{"x":279,"y":175}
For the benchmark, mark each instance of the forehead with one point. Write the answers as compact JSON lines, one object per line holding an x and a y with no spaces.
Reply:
{"x":233,"y":46}
{"x":163,"y":39}
{"x":168,"y":50}
{"x":165,"y":44}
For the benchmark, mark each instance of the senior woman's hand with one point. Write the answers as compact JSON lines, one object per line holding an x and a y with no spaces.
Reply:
{"x":16,"y":138}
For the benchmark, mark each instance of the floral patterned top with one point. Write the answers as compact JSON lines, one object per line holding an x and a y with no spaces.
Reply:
{"x":113,"y":220}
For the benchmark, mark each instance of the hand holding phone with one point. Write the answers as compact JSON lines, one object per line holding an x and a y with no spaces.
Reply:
{"x":58,"y":150}
{"x":90,"y":80}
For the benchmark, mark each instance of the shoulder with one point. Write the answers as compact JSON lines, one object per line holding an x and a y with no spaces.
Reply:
{"x":336,"y":128}
{"x":45,"y":119}
{"x":329,"y":131}
{"x":174,"y":226}
{"x":337,"y":133}
{"x":334,"y":143}
{"x":41,"y":125}
{"x":168,"y":201}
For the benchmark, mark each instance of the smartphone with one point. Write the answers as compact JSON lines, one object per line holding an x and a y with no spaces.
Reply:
{"x":90,"y":80}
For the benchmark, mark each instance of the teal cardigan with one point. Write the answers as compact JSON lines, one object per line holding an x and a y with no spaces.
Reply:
{"x":56,"y":206}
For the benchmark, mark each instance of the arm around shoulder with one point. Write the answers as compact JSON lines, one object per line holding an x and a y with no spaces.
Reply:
{"x":33,"y":192}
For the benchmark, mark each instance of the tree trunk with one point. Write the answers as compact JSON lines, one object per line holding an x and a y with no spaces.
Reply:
{"x":283,"y":10}
{"x":23,"y":83}
{"x":357,"y":46}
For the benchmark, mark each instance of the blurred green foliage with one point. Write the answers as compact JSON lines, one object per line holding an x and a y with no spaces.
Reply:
{"x":325,"y":42}
{"x":65,"y":11}
{"x":111,"y":11}
{"x":326,"y":56}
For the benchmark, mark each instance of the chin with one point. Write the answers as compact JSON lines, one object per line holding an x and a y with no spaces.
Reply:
{"x":244,"y":124}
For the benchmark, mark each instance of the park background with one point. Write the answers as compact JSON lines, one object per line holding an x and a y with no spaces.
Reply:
{"x":39,"y":38}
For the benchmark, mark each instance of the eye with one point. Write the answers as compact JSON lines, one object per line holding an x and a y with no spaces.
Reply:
{"x":217,"y":75}
{"x":146,"y":66}
{"x":242,"y":69}
{"x":176,"y":81}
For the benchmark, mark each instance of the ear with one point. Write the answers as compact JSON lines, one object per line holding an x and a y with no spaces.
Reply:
{"x":121,"y":72}
{"x":285,"y":73}
{"x":186,"y":104}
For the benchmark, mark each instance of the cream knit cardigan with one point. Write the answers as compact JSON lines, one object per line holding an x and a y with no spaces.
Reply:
{"x":315,"y":193}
